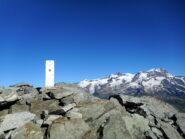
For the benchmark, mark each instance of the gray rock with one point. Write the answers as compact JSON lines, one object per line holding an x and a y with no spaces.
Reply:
{"x":79,"y":94}
{"x":157,"y":132}
{"x":63,"y":109}
{"x":74,"y":115}
{"x":136,"y":122}
{"x":181,"y":122}
{"x":59,"y":93}
{"x":45,"y":96}
{"x":19,"y":108}
{"x":8,"y":135}
{"x":21,"y":85}
{"x":3,"y":112}
{"x":135,"y":100}
{"x":39,"y":122}
{"x":169,"y":131}
{"x":7,"y":96}
{"x":25,"y":90}
{"x":68,"y":129}
{"x":50,"y":119}
{"x":115,"y":101}
{"x":28,"y":131}
{"x":68,"y":107}
{"x":150,"y":135}
{"x":67,"y":100}
{"x":12,"y":121}
{"x":39,"y":106}
{"x":2,"y":135}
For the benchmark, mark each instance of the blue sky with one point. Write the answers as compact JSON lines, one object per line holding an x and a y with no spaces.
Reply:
{"x":89,"y":38}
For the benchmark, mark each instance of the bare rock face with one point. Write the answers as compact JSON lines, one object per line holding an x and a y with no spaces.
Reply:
{"x":70,"y":113}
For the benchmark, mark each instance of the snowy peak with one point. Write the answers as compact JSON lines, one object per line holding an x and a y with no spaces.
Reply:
{"x":153,"y":81}
{"x":162,"y":70}
{"x":111,"y":80}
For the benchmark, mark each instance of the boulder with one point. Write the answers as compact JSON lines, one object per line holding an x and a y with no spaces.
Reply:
{"x":68,"y":129}
{"x":25,"y":90}
{"x":12,"y":121}
{"x":59,"y":93}
{"x":8,"y":97}
{"x":79,"y":94}
{"x":28,"y":131}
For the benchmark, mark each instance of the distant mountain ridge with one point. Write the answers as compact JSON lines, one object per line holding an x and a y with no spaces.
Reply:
{"x":157,"y":82}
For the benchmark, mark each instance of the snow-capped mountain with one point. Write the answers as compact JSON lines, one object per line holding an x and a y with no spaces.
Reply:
{"x":154,"y":82}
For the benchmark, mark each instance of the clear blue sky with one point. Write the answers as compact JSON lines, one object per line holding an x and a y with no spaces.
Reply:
{"x":89,"y":38}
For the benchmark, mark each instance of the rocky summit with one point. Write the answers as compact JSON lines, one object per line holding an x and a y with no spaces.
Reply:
{"x":69,"y":112}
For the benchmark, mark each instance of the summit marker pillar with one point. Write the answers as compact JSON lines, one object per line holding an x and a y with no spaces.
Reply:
{"x":50,"y":73}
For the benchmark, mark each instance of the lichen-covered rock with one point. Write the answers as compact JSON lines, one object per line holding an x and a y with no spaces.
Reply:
{"x":68,"y":129}
{"x":135,"y":122}
{"x":19,"y":108}
{"x":38,"y":107}
{"x":12,"y":121}
{"x":28,"y":131}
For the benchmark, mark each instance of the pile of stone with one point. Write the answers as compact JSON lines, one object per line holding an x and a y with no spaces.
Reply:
{"x":164,"y":120}
{"x":70,"y":113}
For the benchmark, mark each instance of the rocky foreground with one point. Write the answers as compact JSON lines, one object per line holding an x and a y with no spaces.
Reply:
{"x":71,"y":113}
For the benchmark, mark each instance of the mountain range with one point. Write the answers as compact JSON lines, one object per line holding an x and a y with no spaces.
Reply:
{"x":156,"y":82}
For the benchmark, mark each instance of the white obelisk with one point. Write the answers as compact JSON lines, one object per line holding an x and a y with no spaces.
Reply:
{"x":49,"y":81}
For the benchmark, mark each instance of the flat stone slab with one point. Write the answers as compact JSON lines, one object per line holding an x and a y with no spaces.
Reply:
{"x":21,"y":84}
{"x":12,"y":121}
{"x":60,"y":93}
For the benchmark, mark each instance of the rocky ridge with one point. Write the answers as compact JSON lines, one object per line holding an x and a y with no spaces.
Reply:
{"x":68,"y":112}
